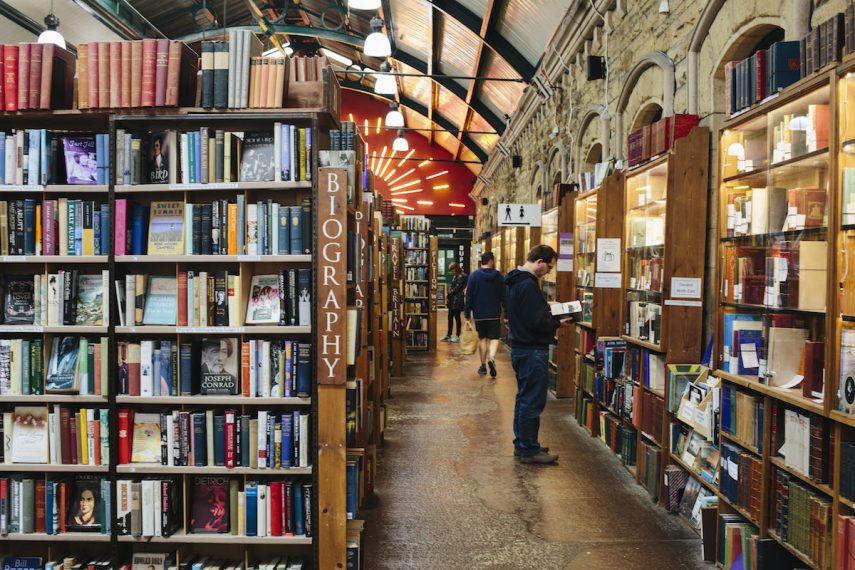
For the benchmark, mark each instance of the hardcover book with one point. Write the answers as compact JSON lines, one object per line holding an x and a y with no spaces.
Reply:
{"x":30,"y":435}
{"x":146,"y":439}
{"x":210,"y":505}
{"x":166,"y":228}
{"x":18,"y":300}
{"x":149,"y":561}
{"x":263,"y":304}
{"x":158,"y":158}
{"x":81,"y":161}
{"x":161,"y":301}
{"x":219,"y":371}
{"x":257,"y":159}
{"x":62,"y":368}
{"x":90,"y":300}
{"x":84,"y":506}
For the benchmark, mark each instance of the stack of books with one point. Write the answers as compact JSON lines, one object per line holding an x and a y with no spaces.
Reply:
{"x":37,"y":76}
{"x":802,"y":518}
{"x":805,"y":441}
{"x":764,"y":73}
{"x":742,"y":416}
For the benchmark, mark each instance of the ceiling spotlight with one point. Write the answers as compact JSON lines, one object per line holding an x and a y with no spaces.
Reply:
{"x":377,"y":44}
{"x":384,"y":84}
{"x":400,"y":144}
{"x":364,"y":4}
{"x":50,"y":35}
{"x":394,"y":118}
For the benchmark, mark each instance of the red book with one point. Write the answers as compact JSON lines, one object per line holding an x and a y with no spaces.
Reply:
{"x":35,"y":94}
{"x":230,"y":438}
{"x":2,"y":82}
{"x":136,"y":73}
{"x":288,"y":508}
{"x":133,"y":369}
{"x":124,"y":420}
{"x":94,"y":95}
{"x":40,"y":505}
{"x":125,"y":98}
{"x":121,"y":228}
{"x":74,"y":438}
{"x":244,"y":369}
{"x":275,"y":497}
{"x":96,"y":374}
{"x":23,"y":76}
{"x":65,"y":435}
{"x":10,"y":77}
{"x":814,"y":363}
{"x":182,"y":299}
{"x":160,"y":72}
{"x":173,"y":73}
{"x":96,"y":437}
{"x":149,"y":62}
{"x":46,"y":83}
{"x":115,"y":74}
{"x":760,"y":75}
{"x":104,"y":74}
{"x":62,"y":501}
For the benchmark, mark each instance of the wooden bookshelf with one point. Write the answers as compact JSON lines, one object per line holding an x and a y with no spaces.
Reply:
{"x":420,"y":256}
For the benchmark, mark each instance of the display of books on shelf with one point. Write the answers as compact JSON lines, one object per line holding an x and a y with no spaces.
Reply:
{"x":32,"y":227}
{"x":801,"y":518}
{"x":55,"y":506}
{"x":77,"y":365}
{"x":37,"y":77}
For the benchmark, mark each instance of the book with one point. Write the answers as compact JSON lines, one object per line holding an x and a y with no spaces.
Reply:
{"x":263,"y":306}
{"x":161,"y":301}
{"x":257,"y":159}
{"x":18,"y":300}
{"x":145,"y":446}
{"x":90,"y":300}
{"x":209,"y":510}
{"x":166,"y":228}
{"x":81,"y":164}
{"x":161,"y":157}
{"x":219,"y":366}
{"x":84,"y":505}
{"x":30,"y":435}
{"x":62,"y":370}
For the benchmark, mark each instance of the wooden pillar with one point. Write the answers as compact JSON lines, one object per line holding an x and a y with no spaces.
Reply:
{"x":434,"y":270}
{"x":396,"y":304}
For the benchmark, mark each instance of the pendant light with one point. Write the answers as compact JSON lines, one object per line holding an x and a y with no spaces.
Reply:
{"x":384,"y":84}
{"x":394,"y":118}
{"x":400,"y":144}
{"x":377,"y":44}
{"x":50,"y":35}
{"x":364,"y":4}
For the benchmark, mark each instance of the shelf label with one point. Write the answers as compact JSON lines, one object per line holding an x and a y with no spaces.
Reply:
{"x":234,"y":330}
{"x":686,"y":287}
{"x":14,"y":258}
{"x":607,"y":280}
{"x":209,"y":186}
{"x":24,"y":328}
{"x":331,"y":276}
{"x":682,"y":303}
{"x":27,"y":187}
{"x":249,"y":258}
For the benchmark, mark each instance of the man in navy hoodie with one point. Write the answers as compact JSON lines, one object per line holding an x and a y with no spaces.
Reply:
{"x":531,"y":329}
{"x":485,"y":299}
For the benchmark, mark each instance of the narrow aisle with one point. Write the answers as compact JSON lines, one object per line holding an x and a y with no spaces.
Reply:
{"x":450,"y":495}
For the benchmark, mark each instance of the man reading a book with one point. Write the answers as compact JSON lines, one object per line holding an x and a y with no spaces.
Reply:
{"x":485,"y":299}
{"x":531,"y":329}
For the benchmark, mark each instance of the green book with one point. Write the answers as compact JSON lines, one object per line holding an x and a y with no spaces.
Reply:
{"x":83,"y":365}
{"x":69,"y":228}
{"x":105,"y":361}
{"x":233,"y":506}
{"x":37,"y":367}
{"x":28,"y":500}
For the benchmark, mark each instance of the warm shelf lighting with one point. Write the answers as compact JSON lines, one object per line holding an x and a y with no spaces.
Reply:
{"x":377,"y":44}
{"x":394,"y":118}
{"x":423,"y":202}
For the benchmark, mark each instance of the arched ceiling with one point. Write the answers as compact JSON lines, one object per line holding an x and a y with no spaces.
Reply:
{"x":443,"y":39}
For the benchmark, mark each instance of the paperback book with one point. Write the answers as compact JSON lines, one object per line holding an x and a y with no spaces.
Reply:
{"x":62,"y":368}
{"x":210,"y":505}
{"x":166,"y":228}
{"x":18,"y":300}
{"x":30,"y":434}
{"x":258,"y":161}
{"x":81,"y":161}
{"x":161,"y":301}
{"x":90,"y":300}
{"x":263,"y":304}
{"x":219,"y":360}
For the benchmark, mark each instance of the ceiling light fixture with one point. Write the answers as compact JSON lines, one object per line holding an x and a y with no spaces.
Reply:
{"x":394,"y":118}
{"x":400,"y":200}
{"x":400,"y":144}
{"x":436,"y":175}
{"x":50,"y":35}
{"x":404,"y":185}
{"x":404,"y":175}
{"x":377,"y":44}
{"x":384,"y":84}
{"x":409,"y":154}
{"x":453,"y":205}
{"x":424,"y":202}
{"x":410,"y":208}
{"x":416,"y":191}
{"x":363,"y":4}
{"x":441,"y":187}
{"x":424,"y":162}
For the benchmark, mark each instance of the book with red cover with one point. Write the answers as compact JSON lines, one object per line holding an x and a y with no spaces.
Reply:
{"x":160,"y":71}
{"x":149,"y":64}
{"x":125,"y":417}
{"x":62,"y":504}
{"x":120,"y":239}
{"x":125,"y":90}
{"x":65,"y":435}
{"x":94,"y":94}
{"x":115,"y":74}
{"x":275,"y":498}
{"x":136,"y":73}
{"x":244,"y":368}
{"x":760,"y":76}
{"x":57,"y":84}
{"x":181,"y":320}
{"x":35,"y":80}
{"x":104,"y":75}
{"x":10,"y":77}
{"x":814,"y":364}
{"x":288,"y":508}
{"x":48,"y":227}
{"x":73,"y":438}
{"x":23,"y":76}
{"x":40,"y":505}
{"x":230,"y":438}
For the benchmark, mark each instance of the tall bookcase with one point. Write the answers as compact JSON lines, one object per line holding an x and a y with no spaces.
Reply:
{"x":325,"y":404}
{"x":415,"y":236}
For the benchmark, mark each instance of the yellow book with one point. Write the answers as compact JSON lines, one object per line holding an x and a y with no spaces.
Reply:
{"x":302,"y":162}
{"x":38,"y":229}
{"x":88,"y":241}
{"x":82,"y":434}
{"x":63,"y":226}
{"x":233,"y":229}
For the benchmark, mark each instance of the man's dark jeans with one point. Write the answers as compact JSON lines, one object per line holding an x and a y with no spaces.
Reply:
{"x":530,"y":364}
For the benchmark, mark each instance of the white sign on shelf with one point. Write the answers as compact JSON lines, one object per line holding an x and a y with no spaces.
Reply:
{"x":607,"y":280}
{"x":608,"y":255}
{"x":522,"y":215}
{"x":686,"y":287}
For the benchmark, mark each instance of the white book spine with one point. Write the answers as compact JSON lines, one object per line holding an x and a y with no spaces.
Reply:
{"x":188,"y":229}
{"x":130,"y":300}
{"x":234,"y":300}
{"x":185,"y":160}
{"x":10,"y":161}
{"x":277,"y":151}
{"x":265,"y":369}
{"x":120,"y":301}
{"x":252,"y":229}
{"x":203,"y":298}
{"x":157,"y":507}
{"x":53,"y":299}
{"x":262,"y":510}
{"x":304,"y":440}
{"x":274,"y":226}
{"x":52,"y":438}
{"x":105,"y":297}
{"x":147,"y":507}
{"x":37,"y":299}
{"x":170,"y":440}
{"x":146,"y":380}
{"x":262,"y":439}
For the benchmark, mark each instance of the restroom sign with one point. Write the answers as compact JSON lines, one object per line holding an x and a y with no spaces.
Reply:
{"x":523,"y":215}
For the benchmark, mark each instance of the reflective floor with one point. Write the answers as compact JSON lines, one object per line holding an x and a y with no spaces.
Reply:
{"x":450,"y":495}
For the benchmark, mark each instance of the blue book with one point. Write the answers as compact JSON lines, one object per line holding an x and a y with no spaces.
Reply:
{"x":287,"y":440}
{"x":96,"y":227}
{"x":351,"y":489}
{"x":200,"y":444}
{"x":99,"y":152}
{"x":78,"y":227}
{"x":282,"y":229}
{"x":304,"y":372}
{"x":251,"y":509}
{"x":156,"y":372}
{"x":727,"y":343}
{"x":197,"y":142}
{"x":50,"y":508}
{"x":105,"y":229}
{"x":271,"y":442}
{"x":161,"y":300}
{"x":106,"y":508}
{"x":185,"y":368}
{"x":29,"y":226}
{"x":241,"y":224}
{"x":21,"y":563}
{"x":126,"y":167}
{"x":296,"y":230}
{"x":748,"y":346}
{"x":295,"y":438}
{"x":166,"y":385}
{"x":286,"y":152}
{"x":191,"y":158}
{"x":298,"y":509}
{"x":139,"y":229}
{"x":219,"y":440}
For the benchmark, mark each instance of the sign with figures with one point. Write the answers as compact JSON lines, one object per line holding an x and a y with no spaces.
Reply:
{"x":522,"y":215}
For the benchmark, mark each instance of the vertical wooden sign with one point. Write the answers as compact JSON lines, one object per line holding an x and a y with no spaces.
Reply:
{"x":331,"y":275}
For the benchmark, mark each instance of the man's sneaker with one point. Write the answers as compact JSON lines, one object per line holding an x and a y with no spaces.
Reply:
{"x":482,"y":370}
{"x":539,"y":457}
{"x":517,"y":451}
{"x":454,"y":339}
{"x":492,"y":365}
{"x":446,"y":338}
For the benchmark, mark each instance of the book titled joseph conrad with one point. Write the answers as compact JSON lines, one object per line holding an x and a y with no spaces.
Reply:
{"x":219,"y":366}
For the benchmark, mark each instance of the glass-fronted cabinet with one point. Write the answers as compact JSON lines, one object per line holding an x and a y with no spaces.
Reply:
{"x":549,"y":236}
{"x":585,"y":235}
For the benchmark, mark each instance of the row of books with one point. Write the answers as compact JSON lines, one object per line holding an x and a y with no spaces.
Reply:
{"x":647,"y":142}
{"x":55,"y":299}
{"x":847,"y":469}
{"x":764,"y":73}
{"x":202,"y":299}
{"x":268,"y":369}
{"x":770,"y":209}
{"x":845,"y":542}
{"x":22,"y":366}
{"x":415,"y":223}
{"x":37,"y":76}
{"x":40,"y":156}
{"x":827,"y":42}
{"x":29,"y":506}
{"x":742,"y":416}
{"x":648,"y":416}
{"x":221,"y":227}
{"x":207,"y":438}
{"x":802,"y":518}
{"x":645,"y":274}
{"x":34,"y":434}
{"x":741,"y":480}
{"x":804,"y":441}
{"x":235,"y":75}
{"x":75,"y":365}
{"x":54,"y":227}
{"x":103,"y":562}
{"x":644,"y":319}
{"x":616,"y":435}
{"x":344,"y":138}
{"x":609,"y":354}
{"x":417,"y":274}
{"x":143,"y":73}
{"x":214,"y":156}
{"x":415,"y":240}
{"x":167,"y":561}
{"x":415,"y":290}
{"x":650,"y":462}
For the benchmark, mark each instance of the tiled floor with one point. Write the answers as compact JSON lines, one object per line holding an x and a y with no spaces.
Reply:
{"x":450,"y":495}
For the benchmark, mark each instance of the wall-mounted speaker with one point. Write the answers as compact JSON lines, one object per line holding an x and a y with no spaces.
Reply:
{"x":516,"y":161}
{"x":595,"y":67}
